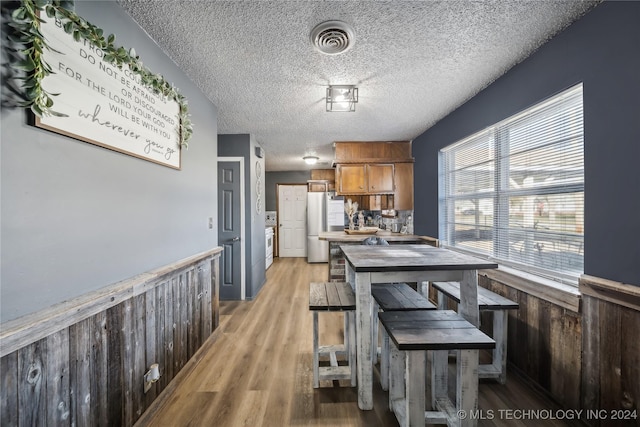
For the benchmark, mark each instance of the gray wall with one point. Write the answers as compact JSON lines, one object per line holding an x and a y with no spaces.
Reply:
{"x":274,"y":178}
{"x":77,"y":217}
{"x":244,"y":145}
{"x":600,"y":50}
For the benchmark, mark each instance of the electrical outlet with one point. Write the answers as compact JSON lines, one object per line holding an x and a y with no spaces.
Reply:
{"x":151,"y":376}
{"x":211,"y":223}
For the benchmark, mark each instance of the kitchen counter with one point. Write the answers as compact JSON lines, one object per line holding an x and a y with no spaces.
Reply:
{"x":342,"y":237}
{"x":337,"y":238}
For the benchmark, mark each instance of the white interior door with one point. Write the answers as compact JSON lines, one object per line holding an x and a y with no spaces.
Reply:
{"x":292,"y":221}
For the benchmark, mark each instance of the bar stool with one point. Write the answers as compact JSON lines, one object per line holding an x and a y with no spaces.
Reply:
{"x":413,"y":333}
{"x":498,"y":306}
{"x":392,"y":297}
{"x":326,"y":297}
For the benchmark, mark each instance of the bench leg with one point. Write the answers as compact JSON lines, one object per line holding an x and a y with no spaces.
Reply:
{"x":415,"y":394}
{"x":396,"y":375}
{"x":499,"y":362}
{"x":467,"y":385}
{"x":423,"y":289}
{"x":345,"y":334}
{"x":351,"y":315}
{"x":384,"y":361}
{"x":439,"y":376}
{"x":316,"y":356}
{"x":374,"y":331}
{"x":442,"y":301}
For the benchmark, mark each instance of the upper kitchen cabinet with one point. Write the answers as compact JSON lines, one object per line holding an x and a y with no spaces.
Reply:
{"x":380,"y":178}
{"x":372,"y":151}
{"x":403,"y":200}
{"x":351,"y":179}
{"x":328,"y":175}
{"x":365,"y":178}
{"x":376,"y":168}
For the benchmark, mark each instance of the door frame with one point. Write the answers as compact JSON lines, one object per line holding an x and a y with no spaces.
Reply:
{"x":243,"y":261}
{"x":277,"y":230}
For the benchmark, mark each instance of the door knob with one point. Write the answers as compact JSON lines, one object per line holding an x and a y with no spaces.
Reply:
{"x":235,"y":239}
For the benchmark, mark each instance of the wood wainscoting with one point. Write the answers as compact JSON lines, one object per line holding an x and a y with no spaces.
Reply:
{"x":82,"y":362}
{"x":544,"y":342}
{"x":584,"y":356}
{"x":611,"y":357}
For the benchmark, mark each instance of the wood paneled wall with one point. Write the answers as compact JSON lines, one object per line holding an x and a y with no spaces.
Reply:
{"x":611,"y":360}
{"x":544,"y":343}
{"x":88,"y":369}
{"x":585,"y":360}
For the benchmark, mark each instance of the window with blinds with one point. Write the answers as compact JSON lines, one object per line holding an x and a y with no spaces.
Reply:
{"x":515,"y":192}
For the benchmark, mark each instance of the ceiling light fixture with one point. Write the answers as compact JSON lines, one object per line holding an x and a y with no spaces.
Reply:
{"x":310,"y":160}
{"x":342,"y":98}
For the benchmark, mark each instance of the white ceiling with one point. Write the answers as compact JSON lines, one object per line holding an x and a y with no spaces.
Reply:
{"x":413,"y":62}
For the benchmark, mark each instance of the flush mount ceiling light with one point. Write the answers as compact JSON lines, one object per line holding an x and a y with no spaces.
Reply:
{"x":342,"y":98}
{"x":332,"y":37}
{"x":310,"y":160}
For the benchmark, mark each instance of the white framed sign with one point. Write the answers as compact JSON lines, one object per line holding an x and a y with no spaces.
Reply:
{"x":106,"y":105}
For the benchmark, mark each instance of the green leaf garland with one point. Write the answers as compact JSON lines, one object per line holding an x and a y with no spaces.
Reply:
{"x":26,"y":22}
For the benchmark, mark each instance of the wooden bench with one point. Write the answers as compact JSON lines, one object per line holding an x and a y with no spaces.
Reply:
{"x":487,"y":301}
{"x":413,"y":333}
{"x":334,"y":296}
{"x":392,"y":297}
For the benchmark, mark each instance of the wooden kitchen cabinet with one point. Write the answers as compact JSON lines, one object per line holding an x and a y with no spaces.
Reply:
{"x":351,"y":179}
{"x":403,"y":199}
{"x":365,"y":178}
{"x":328,"y":175}
{"x":380,"y":178}
{"x":367,"y":151}
{"x":378,"y":173}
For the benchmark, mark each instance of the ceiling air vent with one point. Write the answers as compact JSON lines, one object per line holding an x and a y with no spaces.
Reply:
{"x":332,"y":37}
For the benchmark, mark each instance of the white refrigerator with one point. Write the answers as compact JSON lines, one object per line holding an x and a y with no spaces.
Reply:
{"x":325,"y":212}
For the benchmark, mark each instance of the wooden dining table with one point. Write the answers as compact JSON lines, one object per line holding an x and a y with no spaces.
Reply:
{"x":404,"y":263}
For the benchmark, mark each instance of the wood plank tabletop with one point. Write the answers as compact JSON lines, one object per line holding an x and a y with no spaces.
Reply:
{"x":410,"y":258}
{"x":433,"y":330}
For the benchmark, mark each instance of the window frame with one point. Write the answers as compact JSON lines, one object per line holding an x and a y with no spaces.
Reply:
{"x":501,"y":192}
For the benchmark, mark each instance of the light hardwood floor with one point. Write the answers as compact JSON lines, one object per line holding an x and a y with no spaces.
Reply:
{"x":256,"y":370}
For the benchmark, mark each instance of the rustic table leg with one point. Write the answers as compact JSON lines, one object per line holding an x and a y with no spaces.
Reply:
{"x":468,"y":307}
{"x":363,"y":338}
{"x":316,"y":357}
{"x":467,"y":387}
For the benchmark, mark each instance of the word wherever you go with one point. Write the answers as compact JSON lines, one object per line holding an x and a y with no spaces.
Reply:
{"x":113,"y":126}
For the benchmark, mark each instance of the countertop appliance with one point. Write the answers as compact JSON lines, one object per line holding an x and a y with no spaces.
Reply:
{"x":325,"y":212}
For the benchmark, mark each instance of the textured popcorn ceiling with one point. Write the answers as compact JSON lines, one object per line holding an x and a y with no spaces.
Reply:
{"x":413,"y":62}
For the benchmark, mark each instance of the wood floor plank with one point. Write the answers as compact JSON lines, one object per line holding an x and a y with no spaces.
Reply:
{"x":258,"y":371}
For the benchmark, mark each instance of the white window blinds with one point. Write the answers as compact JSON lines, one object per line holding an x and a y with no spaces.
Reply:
{"x":515,"y":192}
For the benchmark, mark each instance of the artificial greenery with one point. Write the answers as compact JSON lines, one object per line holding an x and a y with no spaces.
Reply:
{"x":26,"y":22}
